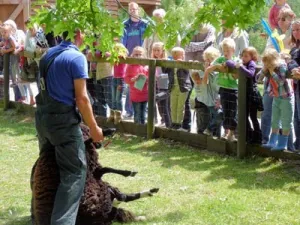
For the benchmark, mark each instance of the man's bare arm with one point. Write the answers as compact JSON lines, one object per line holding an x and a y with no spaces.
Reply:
{"x":85,"y":108}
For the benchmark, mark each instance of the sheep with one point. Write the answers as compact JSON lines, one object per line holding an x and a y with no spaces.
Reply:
{"x":98,"y":205}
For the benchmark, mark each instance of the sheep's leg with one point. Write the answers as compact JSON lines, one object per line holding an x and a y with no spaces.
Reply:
{"x":121,"y":197}
{"x":99,"y":172}
{"x":31,"y":186}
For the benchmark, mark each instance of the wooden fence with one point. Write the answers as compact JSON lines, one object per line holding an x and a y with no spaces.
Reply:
{"x":192,"y":139}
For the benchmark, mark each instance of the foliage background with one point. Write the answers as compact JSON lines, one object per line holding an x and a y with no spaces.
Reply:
{"x":182,"y":19}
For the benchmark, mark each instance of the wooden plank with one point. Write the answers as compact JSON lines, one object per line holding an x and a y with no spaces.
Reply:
{"x":140,"y":2}
{"x":161,"y":63}
{"x":216,"y":145}
{"x":26,"y":9}
{"x":6,"y":80}
{"x":151,"y":99}
{"x":17,"y":11}
{"x":9,"y":2}
{"x":242,"y":117}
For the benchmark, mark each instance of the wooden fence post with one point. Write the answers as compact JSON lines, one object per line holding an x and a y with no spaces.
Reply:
{"x":6,"y":80}
{"x":242,"y":104}
{"x":151,"y":99}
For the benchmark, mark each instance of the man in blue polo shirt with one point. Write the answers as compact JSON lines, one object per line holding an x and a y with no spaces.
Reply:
{"x":62,"y":90}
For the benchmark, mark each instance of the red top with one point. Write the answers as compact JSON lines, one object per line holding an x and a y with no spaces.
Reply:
{"x":119,"y":70}
{"x":135,"y":94}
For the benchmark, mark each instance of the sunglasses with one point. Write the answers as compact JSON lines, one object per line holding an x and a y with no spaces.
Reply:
{"x":282,"y":19}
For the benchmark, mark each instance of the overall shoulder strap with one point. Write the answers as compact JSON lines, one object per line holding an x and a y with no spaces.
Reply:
{"x":45,"y":65}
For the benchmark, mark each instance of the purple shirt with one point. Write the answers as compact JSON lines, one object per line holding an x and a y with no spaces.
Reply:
{"x":133,"y":34}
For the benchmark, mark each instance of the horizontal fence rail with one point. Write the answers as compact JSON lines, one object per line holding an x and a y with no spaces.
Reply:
{"x":152,"y":64}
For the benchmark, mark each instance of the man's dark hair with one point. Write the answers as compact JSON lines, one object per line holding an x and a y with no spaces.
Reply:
{"x":65,"y":35}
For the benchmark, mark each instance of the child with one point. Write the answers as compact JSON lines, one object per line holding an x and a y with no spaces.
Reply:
{"x":9,"y":46}
{"x":254,"y":99}
{"x":118,"y":85}
{"x":162,"y":95}
{"x":282,"y":91}
{"x":208,"y":111}
{"x":274,"y":12}
{"x":138,"y":95}
{"x":228,"y":88}
{"x":180,"y":85}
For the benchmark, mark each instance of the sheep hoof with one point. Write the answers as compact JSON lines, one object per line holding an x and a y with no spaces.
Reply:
{"x":133,"y":173}
{"x":140,"y":218}
{"x":154,"y":190}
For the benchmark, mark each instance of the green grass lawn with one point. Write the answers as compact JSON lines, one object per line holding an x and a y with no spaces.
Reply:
{"x":196,"y":187}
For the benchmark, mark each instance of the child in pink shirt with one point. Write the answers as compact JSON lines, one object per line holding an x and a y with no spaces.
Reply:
{"x":274,"y":12}
{"x":139,"y":97}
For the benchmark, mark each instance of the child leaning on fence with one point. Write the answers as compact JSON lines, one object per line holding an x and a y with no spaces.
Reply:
{"x":136,"y":77}
{"x":254,"y":98}
{"x":207,"y":102}
{"x":228,"y":87}
{"x":180,"y":84}
{"x":281,"y":88}
{"x":162,"y":84}
{"x":9,"y":46}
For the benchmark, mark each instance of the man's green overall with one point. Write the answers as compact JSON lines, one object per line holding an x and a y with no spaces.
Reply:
{"x":58,"y":130}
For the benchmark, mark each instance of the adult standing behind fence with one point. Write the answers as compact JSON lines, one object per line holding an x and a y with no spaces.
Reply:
{"x":294,"y":66}
{"x":134,"y":29}
{"x":63,"y":88}
{"x":194,"y":51}
{"x":240,"y":37}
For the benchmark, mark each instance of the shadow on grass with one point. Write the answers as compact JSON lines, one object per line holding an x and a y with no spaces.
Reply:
{"x":251,"y":173}
{"x":16,"y":123}
{"x":11,"y":216}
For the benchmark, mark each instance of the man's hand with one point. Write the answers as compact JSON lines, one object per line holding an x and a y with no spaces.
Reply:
{"x":96,"y":134}
{"x":85,"y":108}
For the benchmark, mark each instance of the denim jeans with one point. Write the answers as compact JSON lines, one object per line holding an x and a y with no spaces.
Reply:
{"x":139,"y":109}
{"x":266,"y":117}
{"x":103,"y":90}
{"x":117,"y":92}
{"x":128,"y":103}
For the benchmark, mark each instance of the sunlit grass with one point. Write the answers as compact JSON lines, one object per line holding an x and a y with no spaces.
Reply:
{"x":196,"y":187}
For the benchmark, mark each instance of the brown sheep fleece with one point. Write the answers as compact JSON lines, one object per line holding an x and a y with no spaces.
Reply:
{"x":96,"y":205}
